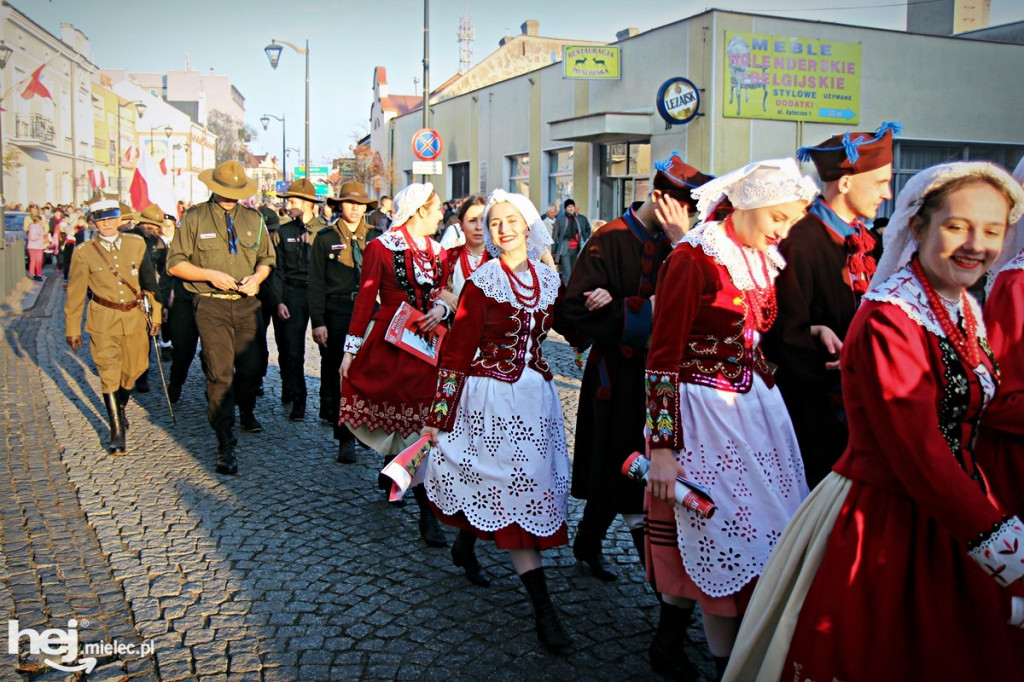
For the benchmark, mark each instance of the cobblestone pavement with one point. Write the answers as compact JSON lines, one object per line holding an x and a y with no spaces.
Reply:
{"x":296,"y":569}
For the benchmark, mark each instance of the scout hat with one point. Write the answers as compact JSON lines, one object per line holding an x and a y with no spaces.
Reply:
{"x":852,"y":153}
{"x":152,"y":215}
{"x":104,"y":209}
{"x":229,"y":181}
{"x":677,"y":178}
{"x":355,"y":192}
{"x":270,"y":218}
{"x":302,"y":189}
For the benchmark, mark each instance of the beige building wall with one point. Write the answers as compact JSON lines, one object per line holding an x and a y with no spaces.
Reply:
{"x":944,"y":90}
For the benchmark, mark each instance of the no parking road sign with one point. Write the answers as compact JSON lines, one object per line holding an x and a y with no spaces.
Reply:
{"x":427,"y":145}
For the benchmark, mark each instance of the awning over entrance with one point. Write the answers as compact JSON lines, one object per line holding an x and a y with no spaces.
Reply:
{"x":605,"y":126}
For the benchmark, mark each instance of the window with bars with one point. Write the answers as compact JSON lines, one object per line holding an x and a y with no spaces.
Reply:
{"x":911,"y":156}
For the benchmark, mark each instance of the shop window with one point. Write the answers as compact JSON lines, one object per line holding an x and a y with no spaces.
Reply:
{"x":559,"y":176}
{"x":519,"y":173}
{"x":459,"y":173}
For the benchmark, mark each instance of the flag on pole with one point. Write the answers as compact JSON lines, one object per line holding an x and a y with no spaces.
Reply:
{"x":152,"y":186}
{"x":35,"y":85}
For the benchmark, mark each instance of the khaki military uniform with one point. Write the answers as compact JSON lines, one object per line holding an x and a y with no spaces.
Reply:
{"x":115,"y":321}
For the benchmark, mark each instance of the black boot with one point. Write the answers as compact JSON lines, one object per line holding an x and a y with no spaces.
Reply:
{"x":116,"y":442}
{"x":226,"y":463}
{"x":430,"y":529}
{"x":173,"y":392}
{"x":667,"y":655}
{"x":142,"y":383}
{"x":298,"y":409}
{"x":464,"y":556}
{"x":586,"y":547}
{"x":638,"y":541}
{"x":721,"y":663}
{"x":549,"y":627}
{"x":123,"y":396}
{"x":347,"y":451}
{"x":249,"y":422}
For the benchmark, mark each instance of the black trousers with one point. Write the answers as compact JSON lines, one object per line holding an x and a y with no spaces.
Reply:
{"x":65,"y":264}
{"x":184,"y":335}
{"x":337,"y":317}
{"x":292,"y":355}
{"x":229,"y":331}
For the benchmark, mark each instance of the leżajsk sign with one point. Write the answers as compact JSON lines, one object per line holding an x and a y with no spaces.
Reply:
{"x":791,"y":79}
{"x":589,"y":62}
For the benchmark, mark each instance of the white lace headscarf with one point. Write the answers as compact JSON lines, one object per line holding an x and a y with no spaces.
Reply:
{"x":409,"y":200}
{"x":537,"y":241}
{"x":900,"y":242}
{"x":759,"y":184}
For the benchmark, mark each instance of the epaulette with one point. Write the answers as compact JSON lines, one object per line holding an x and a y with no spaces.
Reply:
{"x":325,"y":230}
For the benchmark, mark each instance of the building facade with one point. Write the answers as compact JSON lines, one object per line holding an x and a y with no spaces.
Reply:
{"x":550,"y":137}
{"x":48,"y":115}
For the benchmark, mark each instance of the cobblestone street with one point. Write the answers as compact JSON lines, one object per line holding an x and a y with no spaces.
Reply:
{"x":295,"y":569}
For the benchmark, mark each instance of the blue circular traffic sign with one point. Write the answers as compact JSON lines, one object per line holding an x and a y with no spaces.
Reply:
{"x":427,"y":145}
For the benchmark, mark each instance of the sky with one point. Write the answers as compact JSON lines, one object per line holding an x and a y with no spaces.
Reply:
{"x":348,"y":39}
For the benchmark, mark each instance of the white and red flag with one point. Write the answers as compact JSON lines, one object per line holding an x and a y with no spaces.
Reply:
{"x":152,"y":185}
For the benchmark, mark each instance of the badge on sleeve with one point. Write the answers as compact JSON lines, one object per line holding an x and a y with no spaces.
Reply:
{"x":338,"y":247}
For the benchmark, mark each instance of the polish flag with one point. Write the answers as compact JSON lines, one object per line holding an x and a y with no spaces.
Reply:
{"x":97,"y":178}
{"x":151,"y":185}
{"x":35,"y":85}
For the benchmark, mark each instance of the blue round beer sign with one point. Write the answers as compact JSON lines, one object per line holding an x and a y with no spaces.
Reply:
{"x":678,"y":101}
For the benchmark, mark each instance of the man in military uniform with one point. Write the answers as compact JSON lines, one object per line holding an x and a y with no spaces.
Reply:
{"x":334,"y":264}
{"x":223,"y":253}
{"x":294,"y":242}
{"x":117,"y":269}
{"x":148,"y":225}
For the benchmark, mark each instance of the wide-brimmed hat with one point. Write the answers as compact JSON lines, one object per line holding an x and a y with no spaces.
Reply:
{"x":152,"y":215}
{"x":302,"y":189}
{"x":355,"y":192}
{"x":229,"y":181}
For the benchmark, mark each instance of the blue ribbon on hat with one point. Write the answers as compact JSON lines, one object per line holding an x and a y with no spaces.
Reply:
{"x":850,"y":146}
{"x":663,"y":166}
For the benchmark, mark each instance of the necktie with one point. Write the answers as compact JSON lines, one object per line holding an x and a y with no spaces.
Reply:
{"x":232,"y":236}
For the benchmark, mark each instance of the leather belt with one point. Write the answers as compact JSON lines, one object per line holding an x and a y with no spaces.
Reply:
{"x":345,"y":297}
{"x":226,"y":297}
{"x":116,"y":306}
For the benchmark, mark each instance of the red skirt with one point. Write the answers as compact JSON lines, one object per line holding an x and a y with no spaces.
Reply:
{"x":511,"y":536}
{"x":665,"y":570}
{"x":896,"y":598}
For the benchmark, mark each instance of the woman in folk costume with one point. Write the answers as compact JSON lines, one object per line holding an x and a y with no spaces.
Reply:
{"x":713,"y":413}
{"x":501,"y":469}
{"x":465,"y":258}
{"x":385,"y":390}
{"x":899,"y":566}
{"x":1001,"y":439}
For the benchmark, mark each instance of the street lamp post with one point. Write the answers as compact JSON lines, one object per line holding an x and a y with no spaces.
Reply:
{"x":140,"y":109}
{"x":273,"y":51}
{"x":265,"y":121}
{"x":5,"y":53}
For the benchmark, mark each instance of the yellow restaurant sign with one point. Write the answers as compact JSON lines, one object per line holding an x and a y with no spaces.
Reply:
{"x":590,"y":61}
{"x":791,"y":79}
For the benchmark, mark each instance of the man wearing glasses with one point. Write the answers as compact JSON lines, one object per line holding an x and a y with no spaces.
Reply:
{"x":223,"y":252}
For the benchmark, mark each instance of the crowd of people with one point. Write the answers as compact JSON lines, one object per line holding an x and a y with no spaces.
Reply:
{"x":848,"y":414}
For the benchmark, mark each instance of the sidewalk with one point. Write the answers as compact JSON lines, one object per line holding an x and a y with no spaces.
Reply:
{"x":296,"y":569}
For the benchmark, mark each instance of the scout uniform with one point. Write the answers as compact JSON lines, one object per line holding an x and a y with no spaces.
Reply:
{"x":294,"y":244}
{"x":335,"y":261}
{"x":235,"y":242}
{"x":119,"y":274}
